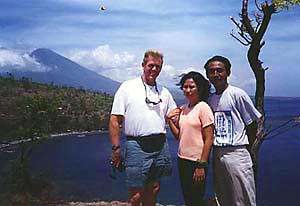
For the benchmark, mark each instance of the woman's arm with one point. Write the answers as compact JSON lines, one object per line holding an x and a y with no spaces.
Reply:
{"x":208,"y":136}
{"x":173,"y":120}
{"x":199,"y":174}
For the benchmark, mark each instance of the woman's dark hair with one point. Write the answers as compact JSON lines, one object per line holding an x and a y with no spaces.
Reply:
{"x":202,"y":84}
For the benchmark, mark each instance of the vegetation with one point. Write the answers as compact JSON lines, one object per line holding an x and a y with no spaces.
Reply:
{"x":21,"y":187}
{"x":28,"y":108}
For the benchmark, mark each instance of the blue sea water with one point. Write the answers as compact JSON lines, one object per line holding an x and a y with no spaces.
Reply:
{"x":78,"y":166}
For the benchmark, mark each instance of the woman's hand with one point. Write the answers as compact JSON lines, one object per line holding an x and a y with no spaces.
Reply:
{"x":174,"y":116}
{"x":199,"y":175}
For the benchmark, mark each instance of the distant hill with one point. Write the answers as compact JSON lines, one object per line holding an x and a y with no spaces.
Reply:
{"x":30,"y":109}
{"x":63,"y":71}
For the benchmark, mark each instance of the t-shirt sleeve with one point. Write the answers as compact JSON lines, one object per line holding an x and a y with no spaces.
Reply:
{"x":119,"y":103}
{"x":247,"y":110}
{"x":171,"y":103}
{"x":206,"y":115}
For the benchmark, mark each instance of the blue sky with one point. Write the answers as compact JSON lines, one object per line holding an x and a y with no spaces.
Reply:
{"x":112,"y":42}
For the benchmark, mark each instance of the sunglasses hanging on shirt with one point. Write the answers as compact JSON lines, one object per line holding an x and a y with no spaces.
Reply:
{"x":147,"y":99}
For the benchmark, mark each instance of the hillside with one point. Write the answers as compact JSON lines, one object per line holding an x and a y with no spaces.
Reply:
{"x":28,"y":108}
{"x":50,"y":66}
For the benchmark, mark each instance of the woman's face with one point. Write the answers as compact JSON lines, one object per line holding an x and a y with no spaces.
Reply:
{"x":190,"y":90}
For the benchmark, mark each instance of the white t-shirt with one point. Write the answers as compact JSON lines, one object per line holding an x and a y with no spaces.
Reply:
{"x":141,"y":118}
{"x":233,"y":110}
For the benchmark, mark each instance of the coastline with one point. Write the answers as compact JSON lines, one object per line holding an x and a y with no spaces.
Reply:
{"x":69,"y":133}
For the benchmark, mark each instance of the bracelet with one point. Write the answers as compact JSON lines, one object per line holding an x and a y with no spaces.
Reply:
{"x":115,"y":147}
{"x":201,"y":163}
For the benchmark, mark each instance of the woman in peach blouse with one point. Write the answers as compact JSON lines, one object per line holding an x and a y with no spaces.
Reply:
{"x":193,"y":124}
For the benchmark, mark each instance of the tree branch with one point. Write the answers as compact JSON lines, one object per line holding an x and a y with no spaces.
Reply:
{"x":257,"y":6}
{"x":243,"y":43}
{"x":245,"y":19}
{"x":235,"y":22}
{"x":245,"y":37}
{"x":257,"y":27}
{"x":268,"y":10}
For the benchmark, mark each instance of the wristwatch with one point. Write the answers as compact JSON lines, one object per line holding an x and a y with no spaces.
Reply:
{"x":115,"y":147}
{"x":201,"y":163}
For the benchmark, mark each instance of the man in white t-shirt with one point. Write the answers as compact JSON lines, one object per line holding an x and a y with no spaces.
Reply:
{"x":235,"y":131}
{"x":141,"y":106}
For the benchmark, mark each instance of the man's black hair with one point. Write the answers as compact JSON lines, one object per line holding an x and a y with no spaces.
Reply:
{"x":222,"y":59}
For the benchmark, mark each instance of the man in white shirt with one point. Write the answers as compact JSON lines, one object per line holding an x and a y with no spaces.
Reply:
{"x":141,"y":105}
{"x":235,"y":131}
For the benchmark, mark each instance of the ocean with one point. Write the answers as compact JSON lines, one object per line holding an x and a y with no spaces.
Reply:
{"x":78,"y":165}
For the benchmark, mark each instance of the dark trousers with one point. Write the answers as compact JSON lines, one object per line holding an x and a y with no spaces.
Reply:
{"x":192,"y":192}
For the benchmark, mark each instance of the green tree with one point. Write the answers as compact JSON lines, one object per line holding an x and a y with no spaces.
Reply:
{"x":38,"y":115}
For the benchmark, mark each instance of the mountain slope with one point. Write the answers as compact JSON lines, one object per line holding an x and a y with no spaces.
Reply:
{"x":63,"y":71}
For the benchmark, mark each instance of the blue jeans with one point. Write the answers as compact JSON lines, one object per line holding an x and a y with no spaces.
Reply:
{"x":143,"y":167}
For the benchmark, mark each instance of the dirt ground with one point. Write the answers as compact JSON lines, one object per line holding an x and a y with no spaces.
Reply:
{"x":117,"y":203}
{"x":101,"y":203}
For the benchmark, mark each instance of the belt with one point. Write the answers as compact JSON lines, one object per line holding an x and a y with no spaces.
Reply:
{"x":150,"y":143}
{"x":146,"y":137}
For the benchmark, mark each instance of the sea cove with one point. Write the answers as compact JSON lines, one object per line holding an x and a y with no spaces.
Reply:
{"x":78,"y":165}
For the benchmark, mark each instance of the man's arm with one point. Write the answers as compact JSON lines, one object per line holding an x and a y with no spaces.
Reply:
{"x":251,"y":130}
{"x":114,"y":128}
{"x":249,"y":114}
{"x":114,"y":131}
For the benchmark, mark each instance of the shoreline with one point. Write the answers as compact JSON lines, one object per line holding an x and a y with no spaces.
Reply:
{"x":78,"y":133}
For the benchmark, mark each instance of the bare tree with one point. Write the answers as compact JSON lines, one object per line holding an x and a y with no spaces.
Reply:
{"x":250,"y":33}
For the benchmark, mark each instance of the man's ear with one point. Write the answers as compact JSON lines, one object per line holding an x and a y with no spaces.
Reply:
{"x":228,"y":72}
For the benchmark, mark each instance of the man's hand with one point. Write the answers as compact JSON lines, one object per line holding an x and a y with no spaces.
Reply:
{"x":116,"y":158}
{"x":114,"y":130}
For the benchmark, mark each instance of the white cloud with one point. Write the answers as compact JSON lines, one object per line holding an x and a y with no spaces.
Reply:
{"x":10,"y":58}
{"x":102,"y":58}
{"x":123,"y":65}
{"x":13,"y":60}
{"x":123,"y":74}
